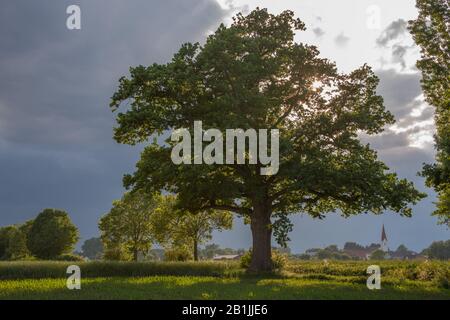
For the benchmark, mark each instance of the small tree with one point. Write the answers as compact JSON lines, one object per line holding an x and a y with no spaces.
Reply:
{"x":178,"y":253}
{"x":438,"y":250}
{"x":3,"y":242}
{"x":378,"y":255}
{"x":52,"y":234}
{"x":116,"y":252}
{"x":127,"y":227}
{"x":402,"y":250}
{"x":210,"y":250}
{"x":332,"y":248}
{"x":92,"y":248}
{"x":353,"y":246}
{"x":180,"y":228}
{"x":13,"y":243}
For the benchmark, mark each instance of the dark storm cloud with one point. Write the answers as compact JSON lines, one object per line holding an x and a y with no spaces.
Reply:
{"x":407,"y":162}
{"x":392,"y":32}
{"x":56,"y":147}
{"x":401,"y":93}
{"x":399,"y":90}
{"x":387,"y":140}
{"x":53,"y":78}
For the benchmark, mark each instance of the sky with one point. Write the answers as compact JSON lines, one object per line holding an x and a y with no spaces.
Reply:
{"x":56,"y":146}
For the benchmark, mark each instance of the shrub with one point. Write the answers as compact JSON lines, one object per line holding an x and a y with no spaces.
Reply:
{"x":378,"y":255}
{"x":177,"y":254}
{"x":69,"y":257}
{"x":279,"y":260}
{"x":246,"y":259}
{"x":438,"y":250}
{"x":92,"y":248}
{"x":442,"y":280}
{"x":116,"y":253}
{"x":52,"y":234}
{"x":13,"y":243}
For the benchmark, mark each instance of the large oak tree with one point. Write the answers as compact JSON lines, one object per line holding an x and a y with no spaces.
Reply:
{"x":253,"y":74}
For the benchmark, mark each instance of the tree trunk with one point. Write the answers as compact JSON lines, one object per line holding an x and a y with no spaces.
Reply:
{"x":195,"y":250}
{"x":262,"y":234}
{"x":135,"y":255}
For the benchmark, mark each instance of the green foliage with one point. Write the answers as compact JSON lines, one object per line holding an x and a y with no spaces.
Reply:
{"x":116,"y":252}
{"x":155,"y":254}
{"x":279,"y":260}
{"x":13,"y":243}
{"x":393,"y":271}
{"x":246,"y":259}
{"x":402,"y":250}
{"x":180,"y":253}
{"x":179,"y":229}
{"x":378,"y":255}
{"x":92,"y":248}
{"x":302,"y":256}
{"x":438,"y":250}
{"x":127,"y":230}
{"x":69,"y":257}
{"x":431,"y":32}
{"x":253,"y":74}
{"x":17,"y":248}
{"x":92,"y":269}
{"x":52,"y":234}
{"x":281,"y":228}
{"x":442,"y":279}
{"x":353,"y":246}
{"x":211,"y":250}
{"x":332,"y":252}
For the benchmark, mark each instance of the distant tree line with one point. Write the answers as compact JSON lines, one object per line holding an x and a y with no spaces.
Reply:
{"x":353,"y":251}
{"x":150,"y":227}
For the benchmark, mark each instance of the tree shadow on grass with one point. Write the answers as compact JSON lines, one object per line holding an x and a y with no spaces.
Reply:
{"x":169,"y":287}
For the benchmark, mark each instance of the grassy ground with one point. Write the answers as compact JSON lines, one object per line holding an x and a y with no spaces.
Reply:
{"x":299,"y":280}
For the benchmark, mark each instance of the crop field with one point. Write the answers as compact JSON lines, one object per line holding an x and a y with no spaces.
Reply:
{"x":208,"y":280}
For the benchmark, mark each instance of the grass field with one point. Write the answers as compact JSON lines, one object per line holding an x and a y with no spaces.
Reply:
{"x":299,"y":280}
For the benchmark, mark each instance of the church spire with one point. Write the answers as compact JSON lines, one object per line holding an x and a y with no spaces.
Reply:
{"x":383,"y":239}
{"x":383,"y":234}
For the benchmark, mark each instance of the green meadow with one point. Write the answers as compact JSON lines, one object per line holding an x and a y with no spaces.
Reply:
{"x":216,"y":280}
